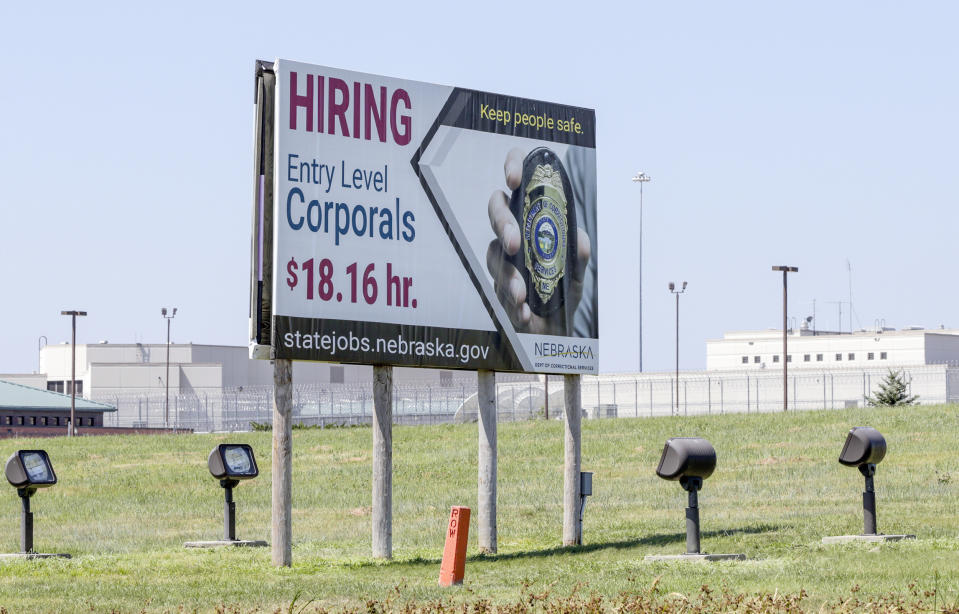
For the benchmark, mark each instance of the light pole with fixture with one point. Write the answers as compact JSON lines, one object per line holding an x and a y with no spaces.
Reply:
{"x":785,"y":270}
{"x":41,"y":342}
{"x":72,"y":429}
{"x":672,"y":288}
{"x":641,"y":178}
{"x":166,"y":409}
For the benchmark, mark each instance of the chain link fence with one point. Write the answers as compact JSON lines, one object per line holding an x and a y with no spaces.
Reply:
{"x":605,"y":396}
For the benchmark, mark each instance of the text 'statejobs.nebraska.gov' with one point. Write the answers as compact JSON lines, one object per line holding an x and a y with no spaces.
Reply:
{"x":415,"y":224}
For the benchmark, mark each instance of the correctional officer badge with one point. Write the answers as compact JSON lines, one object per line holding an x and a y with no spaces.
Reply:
{"x":544,"y":209}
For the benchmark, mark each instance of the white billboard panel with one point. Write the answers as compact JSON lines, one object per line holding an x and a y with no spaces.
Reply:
{"x":425,"y":225}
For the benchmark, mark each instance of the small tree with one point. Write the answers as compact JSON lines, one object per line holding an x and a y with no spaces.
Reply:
{"x":893,"y":390}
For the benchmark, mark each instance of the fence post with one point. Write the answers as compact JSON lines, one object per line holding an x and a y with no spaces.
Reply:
{"x":672,"y":401}
{"x":636,"y":399}
{"x":650,"y":398}
{"x":709,"y":396}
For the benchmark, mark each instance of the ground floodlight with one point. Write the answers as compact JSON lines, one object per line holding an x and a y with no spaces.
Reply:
{"x":230,"y":463}
{"x":689,"y":460}
{"x":864,"y":448}
{"x":28,"y":470}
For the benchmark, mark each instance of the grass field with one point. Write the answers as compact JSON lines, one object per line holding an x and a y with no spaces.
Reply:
{"x":125,"y":505}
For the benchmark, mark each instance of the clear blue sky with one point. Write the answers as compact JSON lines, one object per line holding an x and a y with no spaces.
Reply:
{"x":803,"y":135}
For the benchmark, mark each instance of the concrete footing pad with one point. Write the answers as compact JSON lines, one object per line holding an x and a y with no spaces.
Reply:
{"x":695,"y":557}
{"x":32,"y":555}
{"x":845,"y":539}
{"x":225,"y":543}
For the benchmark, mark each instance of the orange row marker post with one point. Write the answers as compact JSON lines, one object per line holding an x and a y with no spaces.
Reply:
{"x":453,"y":567}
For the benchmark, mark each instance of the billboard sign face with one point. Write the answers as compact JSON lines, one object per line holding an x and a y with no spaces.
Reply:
{"x":424,"y":225}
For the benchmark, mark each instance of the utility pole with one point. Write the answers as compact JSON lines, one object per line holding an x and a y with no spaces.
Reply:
{"x":785,"y":270}
{"x":641,"y":178}
{"x":672,"y":288}
{"x":168,"y":318}
{"x":72,"y":429}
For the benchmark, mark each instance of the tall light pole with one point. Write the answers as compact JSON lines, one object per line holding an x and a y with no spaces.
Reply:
{"x":672,"y":288}
{"x":641,"y":178}
{"x":166,"y":409}
{"x":785,"y":270}
{"x":71,"y":428}
{"x":41,"y":342}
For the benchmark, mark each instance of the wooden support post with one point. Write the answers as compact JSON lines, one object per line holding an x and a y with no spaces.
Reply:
{"x":282,"y":471}
{"x":486,"y":480}
{"x":572,"y":529}
{"x":383,"y":462}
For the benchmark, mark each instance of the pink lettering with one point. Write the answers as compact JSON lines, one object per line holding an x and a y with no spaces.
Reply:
{"x":297,"y":101}
{"x":401,"y":138}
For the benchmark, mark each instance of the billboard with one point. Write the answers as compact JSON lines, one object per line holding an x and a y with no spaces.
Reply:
{"x":407,"y":223}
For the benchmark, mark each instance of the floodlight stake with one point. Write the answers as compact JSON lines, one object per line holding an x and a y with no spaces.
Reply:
{"x":229,"y":510}
{"x":26,"y":520}
{"x":869,"y":500}
{"x":692,"y":486}
{"x":585,"y":490}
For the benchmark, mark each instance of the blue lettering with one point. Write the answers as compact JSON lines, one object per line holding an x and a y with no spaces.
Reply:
{"x":290,"y":166}
{"x":313,"y":208}
{"x":289,"y":204}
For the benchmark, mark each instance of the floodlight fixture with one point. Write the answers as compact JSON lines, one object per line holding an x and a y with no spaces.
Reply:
{"x":689,"y":460}
{"x":865,"y":447}
{"x":230,"y":463}
{"x":27,"y":471}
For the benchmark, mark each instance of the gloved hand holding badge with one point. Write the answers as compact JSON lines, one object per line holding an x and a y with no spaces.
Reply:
{"x":539,"y":257}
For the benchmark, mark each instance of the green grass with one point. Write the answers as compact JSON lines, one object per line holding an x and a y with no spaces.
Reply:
{"x":125,"y":505}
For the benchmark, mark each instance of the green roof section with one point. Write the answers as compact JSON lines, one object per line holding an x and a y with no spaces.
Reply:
{"x":18,"y":396}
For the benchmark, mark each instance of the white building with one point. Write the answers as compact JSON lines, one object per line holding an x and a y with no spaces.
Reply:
{"x":105,"y":369}
{"x":818,"y":350}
